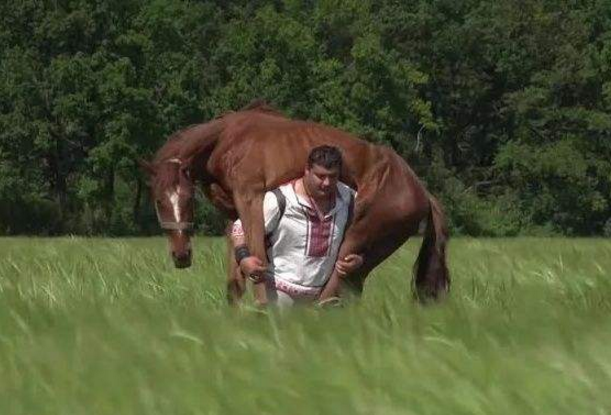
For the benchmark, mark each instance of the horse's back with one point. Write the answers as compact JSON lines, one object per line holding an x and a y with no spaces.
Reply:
{"x":272,"y":148}
{"x":280,"y":145}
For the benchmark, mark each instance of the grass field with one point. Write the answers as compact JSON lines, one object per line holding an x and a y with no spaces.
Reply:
{"x":103,"y":326}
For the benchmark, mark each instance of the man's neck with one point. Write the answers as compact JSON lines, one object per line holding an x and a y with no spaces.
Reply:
{"x":322,"y":204}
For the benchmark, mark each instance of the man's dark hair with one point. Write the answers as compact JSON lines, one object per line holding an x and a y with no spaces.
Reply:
{"x":328,"y":157}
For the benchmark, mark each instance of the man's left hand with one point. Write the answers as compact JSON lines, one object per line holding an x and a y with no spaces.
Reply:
{"x":349,"y":264}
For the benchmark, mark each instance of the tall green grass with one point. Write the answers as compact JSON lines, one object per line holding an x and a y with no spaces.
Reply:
{"x":108,"y":326}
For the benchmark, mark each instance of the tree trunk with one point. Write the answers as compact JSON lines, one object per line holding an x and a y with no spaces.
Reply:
{"x":136,"y":205}
{"x":110,"y":195}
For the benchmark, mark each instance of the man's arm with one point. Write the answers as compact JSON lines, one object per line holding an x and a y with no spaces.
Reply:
{"x":250,"y":265}
{"x":351,"y":262}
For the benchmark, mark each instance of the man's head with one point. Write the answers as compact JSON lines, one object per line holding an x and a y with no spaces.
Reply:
{"x":322,"y":171}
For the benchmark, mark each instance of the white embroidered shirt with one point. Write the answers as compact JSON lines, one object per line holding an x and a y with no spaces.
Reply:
{"x":302,"y":248}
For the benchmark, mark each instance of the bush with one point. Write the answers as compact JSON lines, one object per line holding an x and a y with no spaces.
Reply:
{"x":607,"y":228}
{"x":470,"y":214}
{"x":208,"y":219}
{"x":30,"y":215}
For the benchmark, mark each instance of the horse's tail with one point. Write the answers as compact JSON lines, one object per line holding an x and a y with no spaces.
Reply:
{"x":431,"y":275}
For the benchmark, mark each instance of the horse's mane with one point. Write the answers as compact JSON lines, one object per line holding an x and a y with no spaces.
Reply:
{"x":170,"y":148}
{"x":186,"y":146}
{"x":260,"y":105}
{"x":196,"y":137}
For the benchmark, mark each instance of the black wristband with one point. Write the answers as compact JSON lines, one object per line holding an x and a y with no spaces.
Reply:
{"x":241,"y":252}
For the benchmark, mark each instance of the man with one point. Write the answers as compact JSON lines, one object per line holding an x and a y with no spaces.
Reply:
{"x":305,"y":222}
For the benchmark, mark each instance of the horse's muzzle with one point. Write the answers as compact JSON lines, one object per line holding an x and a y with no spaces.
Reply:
{"x":182,"y":260}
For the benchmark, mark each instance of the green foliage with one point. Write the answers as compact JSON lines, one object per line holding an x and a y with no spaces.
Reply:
{"x":512,"y":100}
{"x":556,"y":183}
{"x":469,"y":211}
{"x":212,"y":222}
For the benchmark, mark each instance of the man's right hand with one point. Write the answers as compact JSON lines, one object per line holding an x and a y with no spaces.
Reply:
{"x":349,"y":264}
{"x":253,"y":268}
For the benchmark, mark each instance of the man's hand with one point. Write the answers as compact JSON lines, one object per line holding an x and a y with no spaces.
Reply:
{"x":252,"y":267}
{"x":349,"y":264}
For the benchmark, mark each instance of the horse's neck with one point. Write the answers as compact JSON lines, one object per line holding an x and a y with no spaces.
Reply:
{"x":197,"y":147}
{"x":201,"y":140}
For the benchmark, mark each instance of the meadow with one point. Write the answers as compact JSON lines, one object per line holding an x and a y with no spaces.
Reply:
{"x":108,"y":326}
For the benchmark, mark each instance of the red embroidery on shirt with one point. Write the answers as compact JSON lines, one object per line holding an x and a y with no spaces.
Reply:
{"x":236,"y":229}
{"x":319,"y":235}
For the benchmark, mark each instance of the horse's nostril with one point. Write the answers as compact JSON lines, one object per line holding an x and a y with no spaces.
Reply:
{"x":182,"y":256}
{"x":182,"y":260}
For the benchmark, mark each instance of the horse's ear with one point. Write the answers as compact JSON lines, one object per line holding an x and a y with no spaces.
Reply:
{"x":186,"y":166}
{"x":147,"y":168}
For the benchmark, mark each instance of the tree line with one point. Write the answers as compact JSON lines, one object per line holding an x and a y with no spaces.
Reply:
{"x":503,"y":108}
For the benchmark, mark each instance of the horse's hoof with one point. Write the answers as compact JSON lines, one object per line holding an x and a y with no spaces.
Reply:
{"x":332,"y":302}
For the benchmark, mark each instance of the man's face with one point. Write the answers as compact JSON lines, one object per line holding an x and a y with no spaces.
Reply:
{"x":321,"y":182}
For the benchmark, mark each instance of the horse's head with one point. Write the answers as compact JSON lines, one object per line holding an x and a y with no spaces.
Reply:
{"x":172,"y":191}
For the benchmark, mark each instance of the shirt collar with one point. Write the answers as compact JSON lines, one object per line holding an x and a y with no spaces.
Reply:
{"x":340,"y":199}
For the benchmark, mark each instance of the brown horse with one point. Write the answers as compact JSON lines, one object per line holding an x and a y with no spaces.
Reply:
{"x":240,"y":155}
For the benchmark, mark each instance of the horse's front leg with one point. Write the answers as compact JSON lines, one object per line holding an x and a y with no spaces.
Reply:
{"x":250,"y":212}
{"x":373,"y":238}
{"x":236,"y":285}
{"x":373,"y":224}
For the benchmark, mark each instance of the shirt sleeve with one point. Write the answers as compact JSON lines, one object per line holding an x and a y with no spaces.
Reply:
{"x":271,"y":216}
{"x":271,"y":212}
{"x":237,"y":234}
